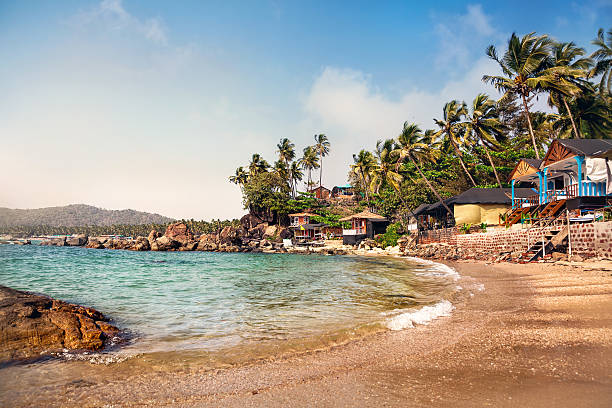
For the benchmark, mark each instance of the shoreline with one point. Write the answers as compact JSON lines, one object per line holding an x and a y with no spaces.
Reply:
{"x":538,"y":335}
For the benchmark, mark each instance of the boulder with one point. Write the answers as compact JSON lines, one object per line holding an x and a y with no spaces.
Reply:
{"x":31,"y":325}
{"x":285,"y":233}
{"x":141,"y":244}
{"x":230,"y":235}
{"x":61,"y":241}
{"x":153,"y":235}
{"x":250,"y":221}
{"x":77,"y":240}
{"x":270,"y":231}
{"x":179,"y":231}
{"x":165,"y":244}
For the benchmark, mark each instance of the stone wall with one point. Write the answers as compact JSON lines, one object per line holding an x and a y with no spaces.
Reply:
{"x":593,"y":239}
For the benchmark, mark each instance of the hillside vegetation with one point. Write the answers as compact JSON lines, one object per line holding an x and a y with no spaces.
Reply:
{"x":77,"y":215}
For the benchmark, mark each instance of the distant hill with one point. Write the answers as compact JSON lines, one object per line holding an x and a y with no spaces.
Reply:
{"x":77,"y":215}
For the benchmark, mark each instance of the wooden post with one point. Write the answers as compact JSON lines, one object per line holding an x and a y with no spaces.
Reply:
{"x":569,"y":239}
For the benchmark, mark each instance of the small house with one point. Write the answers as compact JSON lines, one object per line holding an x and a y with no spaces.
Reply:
{"x":363,"y":225}
{"x":345,"y":191}
{"x":321,"y":193}
{"x":303,"y":227}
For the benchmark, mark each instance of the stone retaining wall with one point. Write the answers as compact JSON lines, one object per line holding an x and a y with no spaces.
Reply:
{"x":593,"y":239}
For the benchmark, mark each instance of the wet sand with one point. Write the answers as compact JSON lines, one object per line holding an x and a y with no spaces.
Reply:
{"x":538,"y":335}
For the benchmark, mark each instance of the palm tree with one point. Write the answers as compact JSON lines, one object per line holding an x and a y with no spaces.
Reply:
{"x":450,"y":127}
{"x":240,"y":177}
{"x":309,"y":161}
{"x":258,"y":165}
{"x":364,"y":162}
{"x":386,"y":170}
{"x":592,"y":116}
{"x":603,"y":56}
{"x":412,"y":145}
{"x":522,"y":62}
{"x":286,"y":150}
{"x":562,"y":80}
{"x":295,"y":175}
{"x":322,"y":147}
{"x":484,"y":125}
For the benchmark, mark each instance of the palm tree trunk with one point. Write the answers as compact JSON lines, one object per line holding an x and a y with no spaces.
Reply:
{"x":569,"y":112}
{"x":492,"y":165}
{"x":320,"y":169}
{"x":365,"y":187}
{"x":430,"y":186}
{"x":526,"y":109}
{"x":459,"y":156}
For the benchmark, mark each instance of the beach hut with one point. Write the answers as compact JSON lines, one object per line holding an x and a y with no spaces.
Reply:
{"x":321,"y":192}
{"x":363,"y":225}
{"x":345,"y":191}
{"x":303,"y":227}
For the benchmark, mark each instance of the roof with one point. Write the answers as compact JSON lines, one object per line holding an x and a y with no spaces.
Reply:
{"x":365,"y":214}
{"x":478,"y":196}
{"x":344,"y":186}
{"x":587,"y":147}
{"x":525,"y":167}
{"x":303,"y":214}
{"x":308,"y":226}
{"x":318,"y":187}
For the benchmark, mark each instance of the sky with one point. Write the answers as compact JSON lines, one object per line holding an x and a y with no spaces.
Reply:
{"x":152,"y":105}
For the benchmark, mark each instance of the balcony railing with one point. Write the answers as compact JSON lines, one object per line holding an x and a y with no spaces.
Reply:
{"x":589,"y":189}
{"x":355,"y":231}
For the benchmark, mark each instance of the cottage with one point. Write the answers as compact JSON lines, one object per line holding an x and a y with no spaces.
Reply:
{"x":575,"y":174}
{"x":345,"y":191}
{"x":321,"y":192}
{"x":363,"y":225}
{"x":303,"y":228}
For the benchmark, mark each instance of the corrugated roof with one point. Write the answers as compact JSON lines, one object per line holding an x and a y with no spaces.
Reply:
{"x":365,"y":214}
{"x":303,"y":214}
{"x":587,"y":147}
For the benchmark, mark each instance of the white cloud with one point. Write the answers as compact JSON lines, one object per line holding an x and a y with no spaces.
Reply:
{"x":463,"y":35}
{"x":112,"y":15}
{"x":354,"y":113}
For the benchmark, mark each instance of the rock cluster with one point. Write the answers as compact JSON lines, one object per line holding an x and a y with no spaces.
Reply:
{"x":32,"y":324}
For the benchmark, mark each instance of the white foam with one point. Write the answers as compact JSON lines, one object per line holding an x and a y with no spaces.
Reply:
{"x":422,"y":316}
{"x":435,"y":268}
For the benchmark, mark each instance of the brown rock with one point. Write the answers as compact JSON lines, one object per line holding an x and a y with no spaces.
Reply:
{"x":31,"y":324}
{"x":250,"y":221}
{"x":179,"y":231}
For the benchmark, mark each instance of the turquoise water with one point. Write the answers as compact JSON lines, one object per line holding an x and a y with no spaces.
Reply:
{"x":211,"y":301}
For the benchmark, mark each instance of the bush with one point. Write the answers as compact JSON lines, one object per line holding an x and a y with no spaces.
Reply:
{"x":390,"y":237}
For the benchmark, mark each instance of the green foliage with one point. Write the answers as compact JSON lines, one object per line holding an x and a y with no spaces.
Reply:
{"x":465,"y":228}
{"x":391,"y":235}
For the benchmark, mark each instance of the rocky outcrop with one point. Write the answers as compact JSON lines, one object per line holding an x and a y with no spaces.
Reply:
{"x":61,"y":241}
{"x":180,"y":232}
{"x":77,"y":240}
{"x":33,"y":324}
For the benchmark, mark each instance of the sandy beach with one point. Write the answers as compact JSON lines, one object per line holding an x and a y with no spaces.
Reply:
{"x":535,"y":335}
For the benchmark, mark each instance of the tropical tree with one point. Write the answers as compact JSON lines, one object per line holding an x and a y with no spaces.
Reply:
{"x":258,"y":165}
{"x":521,"y":64}
{"x":309,"y":162}
{"x":295,"y":174}
{"x":483,"y":124}
{"x":322,"y":148}
{"x":363,"y":164}
{"x":286,"y":150}
{"x":592,"y":116}
{"x":385,"y":170}
{"x":563,"y":78}
{"x":240,"y":177}
{"x":450,"y":127}
{"x":413,"y":146}
{"x":603,"y":56}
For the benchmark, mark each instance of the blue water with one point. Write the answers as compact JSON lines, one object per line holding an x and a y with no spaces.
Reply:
{"x":198,"y":300}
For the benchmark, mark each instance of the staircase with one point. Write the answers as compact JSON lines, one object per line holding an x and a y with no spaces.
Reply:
{"x":541,"y":247}
{"x":515,"y":216}
{"x":552,"y":208}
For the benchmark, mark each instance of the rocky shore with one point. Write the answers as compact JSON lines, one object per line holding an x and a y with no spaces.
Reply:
{"x":32,"y":325}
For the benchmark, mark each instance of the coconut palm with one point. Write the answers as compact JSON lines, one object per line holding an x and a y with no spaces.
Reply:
{"x":258,"y":165}
{"x":563,"y":78}
{"x":521,"y":64}
{"x":386,"y":170}
{"x":240,"y":177}
{"x":309,"y":161}
{"x":364,"y":163}
{"x":295,"y":174}
{"x":412,"y":145}
{"x":286,"y":150}
{"x":450,"y":127}
{"x":322,"y":148}
{"x":592,"y":116}
{"x":484,"y":126}
{"x":603,"y":56}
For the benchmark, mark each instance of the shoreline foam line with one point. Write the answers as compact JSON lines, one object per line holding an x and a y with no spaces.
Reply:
{"x":426,"y":314}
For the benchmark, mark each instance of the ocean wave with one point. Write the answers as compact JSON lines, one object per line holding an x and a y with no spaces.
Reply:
{"x":423,"y":315}
{"x":435,"y":268}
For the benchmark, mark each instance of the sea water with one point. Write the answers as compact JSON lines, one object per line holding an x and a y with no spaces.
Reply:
{"x":233,"y":306}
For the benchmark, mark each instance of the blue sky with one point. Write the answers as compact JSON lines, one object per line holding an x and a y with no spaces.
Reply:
{"x":152,"y":104}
